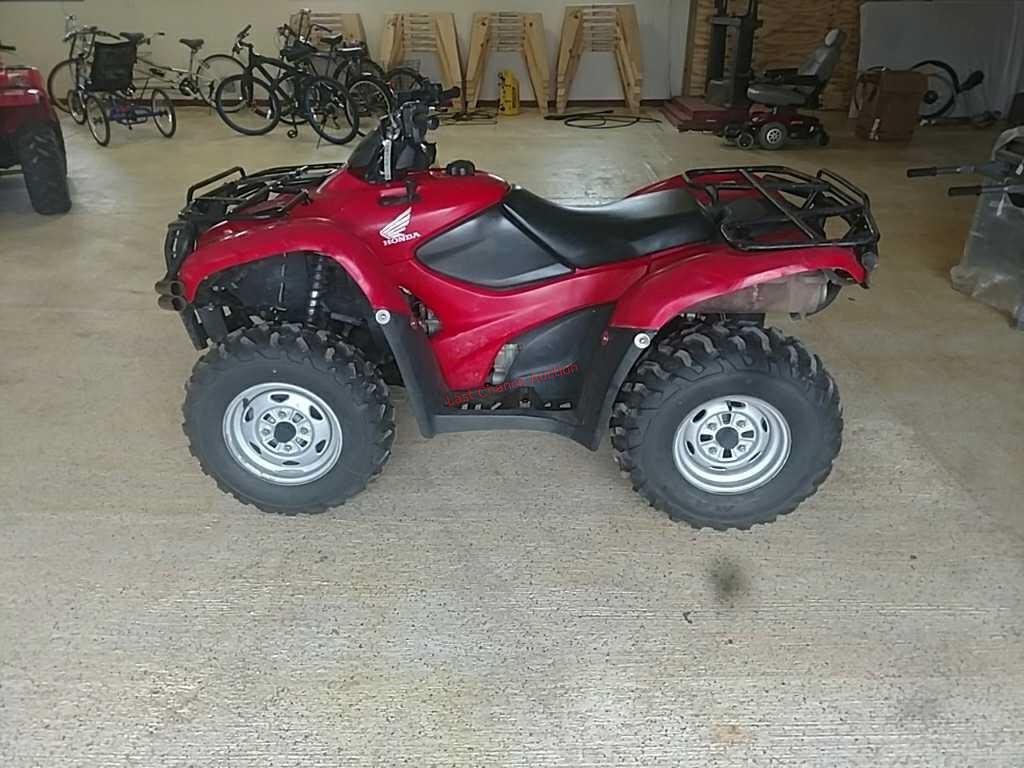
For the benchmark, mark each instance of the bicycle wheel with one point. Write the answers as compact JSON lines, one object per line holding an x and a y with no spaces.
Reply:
{"x":211,"y":71}
{"x":330,"y":111}
{"x":943,"y":87}
{"x":372,"y":99}
{"x":76,"y":106}
{"x":163,"y":113}
{"x":405,"y":79}
{"x":96,"y":118}
{"x":247,"y":105}
{"x":60,"y":82}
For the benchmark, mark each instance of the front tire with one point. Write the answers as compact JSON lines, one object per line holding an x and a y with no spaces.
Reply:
{"x":288,"y":420}
{"x":162,"y":109}
{"x":97,"y":120}
{"x":44,"y":166}
{"x":727,"y":426}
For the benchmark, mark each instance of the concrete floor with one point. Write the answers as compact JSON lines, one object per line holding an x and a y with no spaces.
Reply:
{"x":500,"y":599}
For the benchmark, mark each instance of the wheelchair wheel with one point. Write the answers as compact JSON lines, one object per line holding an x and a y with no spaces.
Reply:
{"x":772,"y":135}
{"x":96,"y":118}
{"x":745,"y":140}
{"x":163,"y":113}
{"x":76,"y":106}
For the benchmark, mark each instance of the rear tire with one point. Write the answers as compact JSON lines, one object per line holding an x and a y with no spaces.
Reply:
{"x":44,"y":167}
{"x":330,"y":111}
{"x":333,"y":406}
{"x":727,"y":426}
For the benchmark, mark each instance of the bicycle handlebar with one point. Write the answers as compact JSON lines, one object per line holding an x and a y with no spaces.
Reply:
{"x":244,"y":33}
{"x":976,"y":189}
{"x":7,"y":48}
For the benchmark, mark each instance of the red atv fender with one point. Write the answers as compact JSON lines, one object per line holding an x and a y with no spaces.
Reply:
{"x":233,"y":244}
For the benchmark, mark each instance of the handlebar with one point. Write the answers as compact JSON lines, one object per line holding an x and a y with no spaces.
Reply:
{"x":7,"y":48}
{"x":939,"y":170}
{"x":244,"y":33}
{"x":970,"y":191}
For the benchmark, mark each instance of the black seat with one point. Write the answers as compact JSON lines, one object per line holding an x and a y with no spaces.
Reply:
{"x":195,"y":43}
{"x":601,"y":234}
{"x":134,"y":37}
{"x":332,"y":40}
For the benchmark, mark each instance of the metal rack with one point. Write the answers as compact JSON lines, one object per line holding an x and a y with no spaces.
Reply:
{"x":242,"y":197}
{"x":821,"y":198}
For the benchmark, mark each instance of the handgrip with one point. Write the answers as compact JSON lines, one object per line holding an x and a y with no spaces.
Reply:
{"x":245,"y":32}
{"x":452,"y":93}
{"x":976,"y":189}
{"x":913,"y":173}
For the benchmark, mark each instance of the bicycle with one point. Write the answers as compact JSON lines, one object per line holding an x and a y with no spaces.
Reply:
{"x":69,"y":74}
{"x":199,"y":80}
{"x":276,"y":94}
{"x":111,"y":95}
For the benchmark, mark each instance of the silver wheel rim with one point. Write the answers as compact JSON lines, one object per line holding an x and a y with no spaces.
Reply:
{"x":731,"y":445}
{"x":282,"y":433}
{"x":773,"y":136}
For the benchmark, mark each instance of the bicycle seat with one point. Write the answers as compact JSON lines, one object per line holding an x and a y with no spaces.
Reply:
{"x":333,"y":40}
{"x":602,"y":234}
{"x":195,"y":43}
{"x":133,"y":37}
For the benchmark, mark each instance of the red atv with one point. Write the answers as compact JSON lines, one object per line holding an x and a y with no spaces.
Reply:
{"x":30,"y":137}
{"x":318,"y":286}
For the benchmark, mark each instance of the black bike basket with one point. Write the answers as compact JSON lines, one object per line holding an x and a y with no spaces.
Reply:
{"x":112,"y":66}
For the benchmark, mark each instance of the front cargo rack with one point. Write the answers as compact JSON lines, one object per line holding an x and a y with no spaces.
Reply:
{"x":792,"y":209}
{"x":268,"y":194}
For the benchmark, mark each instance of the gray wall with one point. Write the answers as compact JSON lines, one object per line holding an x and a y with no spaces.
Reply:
{"x":36,"y":28}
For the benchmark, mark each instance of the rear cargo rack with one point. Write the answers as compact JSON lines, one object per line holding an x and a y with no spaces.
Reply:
{"x":798,"y":210}
{"x":268,"y":194}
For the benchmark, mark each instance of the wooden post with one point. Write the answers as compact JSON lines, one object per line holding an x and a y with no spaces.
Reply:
{"x":510,"y":31}
{"x":603,"y":28}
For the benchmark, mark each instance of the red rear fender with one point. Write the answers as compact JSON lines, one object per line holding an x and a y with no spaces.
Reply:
{"x":235,"y":243}
{"x":672,"y":289}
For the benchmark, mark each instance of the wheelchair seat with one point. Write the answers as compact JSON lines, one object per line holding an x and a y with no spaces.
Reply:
{"x":800,"y":88}
{"x":602,"y":234}
{"x":112,"y":67}
{"x":195,"y":43}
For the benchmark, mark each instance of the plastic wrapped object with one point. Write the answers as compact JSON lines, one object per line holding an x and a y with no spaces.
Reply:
{"x":992,"y":268}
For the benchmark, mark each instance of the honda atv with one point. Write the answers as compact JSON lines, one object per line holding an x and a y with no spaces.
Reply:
{"x":31,"y":138}
{"x":317,"y":287}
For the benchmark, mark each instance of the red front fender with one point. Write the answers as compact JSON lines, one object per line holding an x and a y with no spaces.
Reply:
{"x":235,"y":243}
{"x":670,"y":290}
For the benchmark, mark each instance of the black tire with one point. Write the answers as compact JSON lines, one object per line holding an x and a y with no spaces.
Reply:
{"x":240,"y":97}
{"x":334,"y":371}
{"x":59,"y":82}
{"x":943,"y":88}
{"x":350,"y":71}
{"x":164,"y":116}
{"x":404,"y":79}
{"x":690,"y":368}
{"x":372,"y":99}
{"x":773,"y":135}
{"x":97,"y":120}
{"x":330,"y":111}
{"x":823,"y":138}
{"x":43,"y":164}
{"x":745,"y":140}
{"x":76,"y":106}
